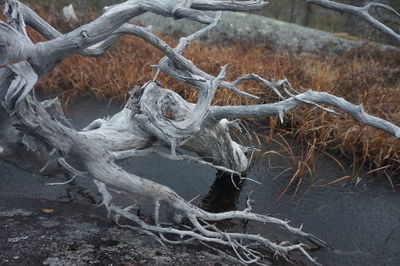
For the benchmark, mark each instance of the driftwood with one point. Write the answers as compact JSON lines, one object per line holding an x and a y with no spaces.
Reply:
{"x":37,"y":137}
{"x":363,"y":13}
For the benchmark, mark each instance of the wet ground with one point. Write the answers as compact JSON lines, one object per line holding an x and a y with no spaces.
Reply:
{"x":361,"y":223}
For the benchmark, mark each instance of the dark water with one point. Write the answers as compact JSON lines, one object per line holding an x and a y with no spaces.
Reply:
{"x":360,"y":223}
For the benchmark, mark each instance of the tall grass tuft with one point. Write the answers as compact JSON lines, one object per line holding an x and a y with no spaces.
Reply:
{"x":361,"y":76}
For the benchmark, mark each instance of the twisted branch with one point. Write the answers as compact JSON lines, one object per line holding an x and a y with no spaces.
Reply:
{"x":152,"y":115}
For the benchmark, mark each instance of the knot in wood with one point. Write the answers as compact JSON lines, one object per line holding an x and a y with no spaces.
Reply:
{"x":135,"y":97}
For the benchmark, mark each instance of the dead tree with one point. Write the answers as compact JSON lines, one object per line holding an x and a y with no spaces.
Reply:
{"x":37,"y":137}
{"x":363,"y":13}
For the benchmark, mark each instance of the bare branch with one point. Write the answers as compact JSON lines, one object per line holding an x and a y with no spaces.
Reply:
{"x":228,"y":5}
{"x":361,"y":12}
{"x":280,"y":108}
{"x":152,"y":115}
{"x":179,"y":62}
{"x":122,"y":155}
{"x":210,"y":234}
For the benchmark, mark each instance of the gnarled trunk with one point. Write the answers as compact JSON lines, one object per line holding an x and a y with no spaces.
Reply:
{"x":37,"y":133}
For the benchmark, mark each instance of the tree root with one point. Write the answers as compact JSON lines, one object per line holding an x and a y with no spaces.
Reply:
{"x":152,"y":115}
{"x":202,"y":230}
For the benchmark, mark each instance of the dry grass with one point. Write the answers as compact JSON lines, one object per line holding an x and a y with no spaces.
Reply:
{"x":361,"y":76}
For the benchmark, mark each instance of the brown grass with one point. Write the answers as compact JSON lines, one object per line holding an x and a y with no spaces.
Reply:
{"x":361,"y":76}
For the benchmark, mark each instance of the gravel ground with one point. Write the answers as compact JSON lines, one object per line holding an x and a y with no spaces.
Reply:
{"x":43,"y":232}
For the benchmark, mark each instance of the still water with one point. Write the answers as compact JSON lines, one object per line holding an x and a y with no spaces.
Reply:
{"x":360,"y":223}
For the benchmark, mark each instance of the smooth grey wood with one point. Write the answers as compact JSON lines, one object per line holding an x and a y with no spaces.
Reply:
{"x":363,"y":13}
{"x":153,"y":117}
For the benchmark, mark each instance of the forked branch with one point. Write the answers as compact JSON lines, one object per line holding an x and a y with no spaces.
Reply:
{"x":363,"y":13}
{"x":152,"y":117}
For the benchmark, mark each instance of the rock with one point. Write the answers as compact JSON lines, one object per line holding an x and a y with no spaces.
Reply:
{"x":254,"y":29}
{"x":78,"y":234}
{"x":14,"y":212}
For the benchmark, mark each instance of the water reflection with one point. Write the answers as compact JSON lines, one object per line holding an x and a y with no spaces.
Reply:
{"x":76,"y":191}
{"x":224,"y":193}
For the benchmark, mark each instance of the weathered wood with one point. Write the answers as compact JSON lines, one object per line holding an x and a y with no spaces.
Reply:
{"x":363,"y":13}
{"x":152,"y":117}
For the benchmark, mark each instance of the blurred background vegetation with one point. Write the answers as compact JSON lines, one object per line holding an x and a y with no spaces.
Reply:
{"x":299,"y":12}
